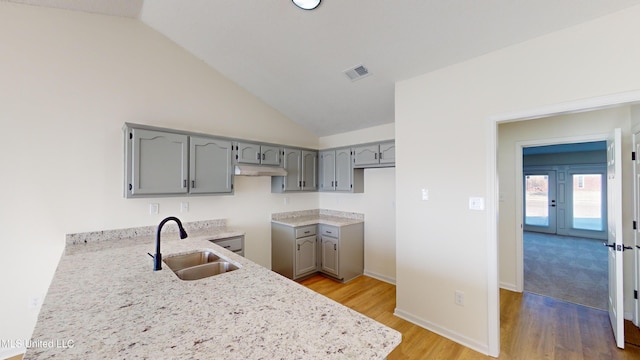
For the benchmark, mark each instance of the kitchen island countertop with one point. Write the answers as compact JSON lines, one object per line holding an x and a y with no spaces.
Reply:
{"x":109,"y":303}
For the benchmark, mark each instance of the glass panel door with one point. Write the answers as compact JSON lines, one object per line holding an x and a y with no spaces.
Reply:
{"x":540,"y":201}
{"x":587,"y":200}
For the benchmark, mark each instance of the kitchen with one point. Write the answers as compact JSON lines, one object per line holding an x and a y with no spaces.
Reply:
{"x":69,"y":116}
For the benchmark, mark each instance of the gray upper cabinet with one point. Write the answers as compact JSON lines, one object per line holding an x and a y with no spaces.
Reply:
{"x":374,"y":155}
{"x":327,"y":170}
{"x":309,"y":170}
{"x":251,"y":153}
{"x":210,"y":166}
{"x":156,"y":163}
{"x":302,"y":171}
{"x":336,"y":172}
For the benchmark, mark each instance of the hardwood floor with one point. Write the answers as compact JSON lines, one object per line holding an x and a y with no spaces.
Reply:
{"x":532,"y":326}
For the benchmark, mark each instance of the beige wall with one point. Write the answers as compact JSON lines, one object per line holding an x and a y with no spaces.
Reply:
{"x":69,"y":82}
{"x":377,"y":203}
{"x":599,"y":122}
{"x":442,"y":246}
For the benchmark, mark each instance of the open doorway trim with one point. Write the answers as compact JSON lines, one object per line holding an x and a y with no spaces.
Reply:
{"x":493,"y":277}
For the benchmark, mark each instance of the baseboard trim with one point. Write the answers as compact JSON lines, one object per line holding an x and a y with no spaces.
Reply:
{"x":11,"y":352}
{"x":510,"y":287}
{"x":384,"y":278}
{"x":449,"y":334}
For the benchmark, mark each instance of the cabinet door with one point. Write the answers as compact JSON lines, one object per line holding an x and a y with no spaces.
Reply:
{"x":270,"y":155}
{"x":343,"y":170}
{"x":309,"y":170}
{"x":366,"y":155}
{"x":210,"y":165}
{"x":305,"y":255}
{"x":327,"y":170}
{"x":248,"y":153}
{"x":158,"y":163}
{"x":293,"y":164}
{"x":329,"y":250}
{"x":388,"y":153}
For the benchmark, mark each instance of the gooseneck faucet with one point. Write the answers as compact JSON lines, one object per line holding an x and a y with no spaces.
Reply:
{"x":157,"y":258}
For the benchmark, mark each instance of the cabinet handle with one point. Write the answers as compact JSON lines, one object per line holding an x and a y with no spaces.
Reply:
{"x":264,"y":157}
{"x":299,"y":183}
{"x":258,"y":156}
{"x":335,"y":247}
{"x":328,"y":232}
{"x":380,"y":156}
{"x":308,"y":231}
{"x":298,"y":247}
{"x":184,"y":183}
{"x":375,"y":156}
{"x":193,"y":184}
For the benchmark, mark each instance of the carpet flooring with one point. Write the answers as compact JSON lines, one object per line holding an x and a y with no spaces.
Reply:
{"x":566,"y":268}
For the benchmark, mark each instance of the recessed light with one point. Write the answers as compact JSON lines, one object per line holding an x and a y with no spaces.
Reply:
{"x":307,"y":4}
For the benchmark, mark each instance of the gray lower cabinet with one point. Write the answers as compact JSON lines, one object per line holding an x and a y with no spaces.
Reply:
{"x":156,"y":163}
{"x":336,"y":172}
{"x":337,"y":251}
{"x":210,"y":167}
{"x":251,"y":153}
{"x":235,"y":244}
{"x":293,"y":250}
{"x":342,"y":251}
{"x":374,"y":155}
{"x":302,"y":171}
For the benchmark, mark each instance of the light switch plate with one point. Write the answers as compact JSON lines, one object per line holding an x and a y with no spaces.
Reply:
{"x":476,"y":203}
{"x":425,"y":194}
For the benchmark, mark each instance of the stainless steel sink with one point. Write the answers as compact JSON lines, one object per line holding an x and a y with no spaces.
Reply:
{"x":198,"y":265}
{"x":205,"y":270}
{"x":182,"y":261}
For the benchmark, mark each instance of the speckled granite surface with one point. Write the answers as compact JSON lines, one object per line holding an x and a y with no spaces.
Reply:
{"x":317,"y":216}
{"x":109,"y":303}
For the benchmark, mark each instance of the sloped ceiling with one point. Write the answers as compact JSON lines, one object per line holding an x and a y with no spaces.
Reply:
{"x":294,"y":59}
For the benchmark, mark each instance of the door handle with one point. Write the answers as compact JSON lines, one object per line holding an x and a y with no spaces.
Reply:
{"x":613,"y":246}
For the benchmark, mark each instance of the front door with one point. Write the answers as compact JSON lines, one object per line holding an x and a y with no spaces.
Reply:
{"x":540,"y":201}
{"x":615,"y":240}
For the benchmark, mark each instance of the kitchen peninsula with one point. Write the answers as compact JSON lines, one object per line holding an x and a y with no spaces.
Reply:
{"x":105,"y":301}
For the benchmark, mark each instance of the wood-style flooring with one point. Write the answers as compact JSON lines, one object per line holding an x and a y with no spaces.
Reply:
{"x":532,"y":326}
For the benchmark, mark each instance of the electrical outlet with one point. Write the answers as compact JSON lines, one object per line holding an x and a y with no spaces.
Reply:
{"x":154,"y":208}
{"x":184,"y":207}
{"x":425,"y":194}
{"x":34,"y":301}
{"x":459,"y":298}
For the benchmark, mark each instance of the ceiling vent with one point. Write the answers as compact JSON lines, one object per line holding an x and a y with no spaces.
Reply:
{"x":357,"y":73}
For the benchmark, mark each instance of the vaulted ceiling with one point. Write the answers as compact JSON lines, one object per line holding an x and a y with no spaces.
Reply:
{"x":294,"y":59}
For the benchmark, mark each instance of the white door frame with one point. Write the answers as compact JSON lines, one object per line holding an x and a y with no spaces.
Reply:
{"x":493,"y":275}
{"x":520,"y":191}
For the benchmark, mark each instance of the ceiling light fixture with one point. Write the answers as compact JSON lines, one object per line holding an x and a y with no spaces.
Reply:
{"x":307,"y":4}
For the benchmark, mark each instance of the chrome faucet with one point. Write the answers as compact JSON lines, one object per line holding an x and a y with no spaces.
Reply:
{"x":157,"y":258}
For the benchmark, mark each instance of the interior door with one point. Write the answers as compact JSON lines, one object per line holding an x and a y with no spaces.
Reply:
{"x":540,"y":201}
{"x":636,"y":216}
{"x":615,"y":240}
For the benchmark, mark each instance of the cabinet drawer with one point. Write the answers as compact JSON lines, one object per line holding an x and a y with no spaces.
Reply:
{"x":305,"y":231}
{"x":332,"y":231}
{"x":232,"y":244}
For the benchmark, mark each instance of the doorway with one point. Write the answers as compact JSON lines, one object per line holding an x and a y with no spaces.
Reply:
{"x":585,"y":123}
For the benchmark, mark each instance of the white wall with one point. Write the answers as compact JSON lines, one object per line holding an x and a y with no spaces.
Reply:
{"x":444,"y":136}
{"x":377,"y":203}
{"x":556,"y":127}
{"x":69,"y":82}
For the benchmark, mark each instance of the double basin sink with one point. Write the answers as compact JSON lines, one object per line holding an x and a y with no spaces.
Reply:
{"x":198,"y":265}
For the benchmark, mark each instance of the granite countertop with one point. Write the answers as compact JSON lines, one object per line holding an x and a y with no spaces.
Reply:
{"x":317,"y":216}
{"x":109,"y":303}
